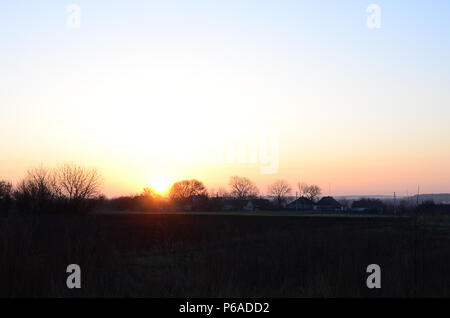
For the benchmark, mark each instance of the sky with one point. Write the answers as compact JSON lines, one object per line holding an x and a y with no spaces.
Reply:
{"x":151,"y":92}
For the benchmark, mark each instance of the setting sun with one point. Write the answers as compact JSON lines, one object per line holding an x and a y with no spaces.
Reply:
{"x":161,"y":184}
{"x":233,"y":149}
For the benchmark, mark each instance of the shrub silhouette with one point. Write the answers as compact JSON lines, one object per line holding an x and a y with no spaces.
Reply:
{"x":5,"y":197}
{"x":77,"y":186}
{"x":70,"y":188}
{"x":37,"y":192}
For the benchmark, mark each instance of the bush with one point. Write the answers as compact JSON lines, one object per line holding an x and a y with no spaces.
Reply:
{"x":37,"y":192}
{"x":68,"y":189}
{"x":5,"y":197}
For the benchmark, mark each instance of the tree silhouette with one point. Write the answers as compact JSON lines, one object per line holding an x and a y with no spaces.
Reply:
{"x":280,"y":189}
{"x":36,"y":192}
{"x":77,"y":183}
{"x":243,"y":188}
{"x":5,"y":196}
{"x":309,"y":191}
{"x":186,"y":189}
{"x":313,"y":191}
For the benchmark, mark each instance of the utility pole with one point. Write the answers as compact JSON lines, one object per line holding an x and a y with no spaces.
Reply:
{"x":416,"y":242}
{"x":395,"y":203}
{"x":418,"y":194}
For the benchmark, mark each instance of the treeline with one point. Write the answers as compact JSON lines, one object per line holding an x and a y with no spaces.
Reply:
{"x":404,"y":206}
{"x":69,"y":188}
{"x":192,"y":195}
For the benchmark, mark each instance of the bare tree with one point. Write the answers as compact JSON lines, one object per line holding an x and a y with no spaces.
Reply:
{"x":150,"y":193}
{"x":37,"y":190}
{"x":186,"y":189}
{"x":302,"y":188}
{"x":5,"y":190}
{"x":5,"y":196}
{"x":77,"y":183}
{"x":218,"y":193}
{"x":309,"y":191}
{"x":222,"y":193}
{"x":243,"y":188}
{"x":280,"y":189}
{"x":149,"y":200}
{"x":313,"y":191}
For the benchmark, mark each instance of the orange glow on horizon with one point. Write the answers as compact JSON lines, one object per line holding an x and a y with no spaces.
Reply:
{"x":161,"y":184}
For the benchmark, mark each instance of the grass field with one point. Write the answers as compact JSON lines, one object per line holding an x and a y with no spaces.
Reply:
{"x":284,"y":213}
{"x":217,"y":255}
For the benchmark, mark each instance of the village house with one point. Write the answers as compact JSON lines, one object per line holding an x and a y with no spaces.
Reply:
{"x":328,"y":204}
{"x":258,"y":205}
{"x":301,"y":204}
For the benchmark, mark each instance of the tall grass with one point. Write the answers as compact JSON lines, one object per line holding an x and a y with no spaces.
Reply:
{"x":220,"y":256}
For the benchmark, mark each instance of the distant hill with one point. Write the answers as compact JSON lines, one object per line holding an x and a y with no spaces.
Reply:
{"x":440,"y":198}
{"x":369,"y":196}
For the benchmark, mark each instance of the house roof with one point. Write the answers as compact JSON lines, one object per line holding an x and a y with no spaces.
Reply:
{"x":302,"y":201}
{"x":328,"y":201}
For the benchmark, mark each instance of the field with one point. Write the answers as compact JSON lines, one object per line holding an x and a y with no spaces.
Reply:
{"x":220,"y":255}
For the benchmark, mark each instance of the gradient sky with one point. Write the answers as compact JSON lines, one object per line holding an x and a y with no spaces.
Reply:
{"x":143,"y":88}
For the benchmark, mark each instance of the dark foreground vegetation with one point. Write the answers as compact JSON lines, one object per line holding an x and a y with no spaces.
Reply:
{"x":223,"y":256}
{"x":54,"y":218}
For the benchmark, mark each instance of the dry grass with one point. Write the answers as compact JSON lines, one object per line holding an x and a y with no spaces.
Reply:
{"x":221,"y":256}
